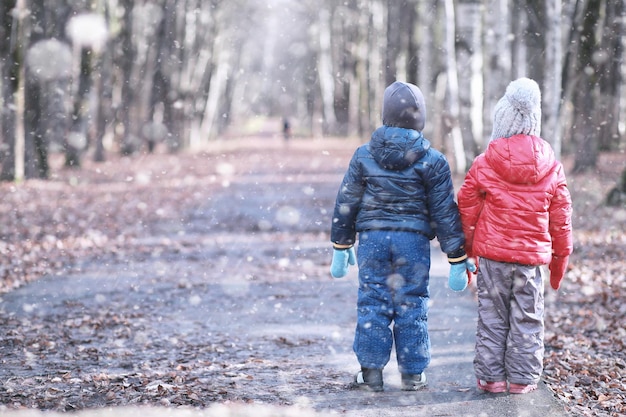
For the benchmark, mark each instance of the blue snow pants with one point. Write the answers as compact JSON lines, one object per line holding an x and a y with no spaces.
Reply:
{"x":393,"y":288}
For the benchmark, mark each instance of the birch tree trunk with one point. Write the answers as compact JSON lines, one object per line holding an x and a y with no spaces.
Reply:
{"x":498,"y":57}
{"x":394,"y":40}
{"x":375,"y":78}
{"x":359,"y":97}
{"x":453,"y":89}
{"x":469,"y":63}
{"x":353,"y":74}
{"x":551,"y":94}
{"x":325,"y":70}
{"x":76,"y":141}
{"x":519,"y":23}
{"x":427,"y":65}
{"x":342,"y":33}
{"x":104,"y":89}
{"x":218,"y":83}
{"x":412,"y":49}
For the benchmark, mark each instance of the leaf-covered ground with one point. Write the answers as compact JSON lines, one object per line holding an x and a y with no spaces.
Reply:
{"x":150,"y":271}
{"x":586,"y":320}
{"x":106,"y":213}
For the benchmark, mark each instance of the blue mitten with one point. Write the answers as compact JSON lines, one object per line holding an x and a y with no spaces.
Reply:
{"x":341,"y":259}
{"x":458,"y":279}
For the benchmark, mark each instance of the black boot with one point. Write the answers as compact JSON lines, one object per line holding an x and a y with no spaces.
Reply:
{"x":368,"y":379}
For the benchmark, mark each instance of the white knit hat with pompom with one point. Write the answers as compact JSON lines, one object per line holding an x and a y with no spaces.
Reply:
{"x":518,"y":111}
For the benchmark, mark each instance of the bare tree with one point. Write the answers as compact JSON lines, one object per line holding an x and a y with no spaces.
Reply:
{"x":325,"y":68}
{"x":375,"y":44}
{"x":104,"y":91}
{"x":608,"y":59}
{"x":470,"y":64}
{"x":498,"y":58}
{"x":583,"y":127}
{"x":551,"y":130}
{"x":396,"y":36}
{"x":453,"y":89}
{"x":430,"y":65}
{"x":10,"y":68}
{"x":124,"y":59}
{"x":85,"y":50}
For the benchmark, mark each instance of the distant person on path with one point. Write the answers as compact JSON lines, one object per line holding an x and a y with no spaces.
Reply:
{"x":516,"y":212}
{"x":397,"y":194}
{"x":286,"y":129}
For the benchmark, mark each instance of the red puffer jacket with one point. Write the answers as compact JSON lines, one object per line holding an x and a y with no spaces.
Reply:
{"x":515,"y":206}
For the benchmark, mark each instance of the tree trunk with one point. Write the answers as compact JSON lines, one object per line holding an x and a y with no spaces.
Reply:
{"x":375,"y":80}
{"x":469,"y":56}
{"x":218,"y":83}
{"x":359,"y":95}
{"x":585,"y":136}
{"x":498,"y":57}
{"x":394,"y":39}
{"x":343,"y":29}
{"x":617,"y":195}
{"x":551,"y":94}
{"x":34,"y":146}
{"x":534,"y":38}
{"x":127,"y":58}
{"x":105,"y":95}
{"x":519,"y":25}
{"x":609,"y":76}
{"x":104,"y":92}
{"x":409,"y":17}
{"x":429,"y":65}
{"x":325,"y":70}
{"x":161,"y":86}
{"x":77,"y":141}
{"x":9,"y":59}
{"x":453,"y":90}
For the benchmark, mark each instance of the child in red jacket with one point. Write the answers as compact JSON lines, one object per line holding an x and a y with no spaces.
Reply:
{"x":516,"y":213}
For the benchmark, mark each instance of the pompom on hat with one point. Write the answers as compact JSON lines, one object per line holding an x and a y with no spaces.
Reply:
{"x":518,"y":111}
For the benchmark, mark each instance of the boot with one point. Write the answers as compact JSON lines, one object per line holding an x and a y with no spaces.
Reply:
{"x":413,"y":382}
{"x":368,"y":379}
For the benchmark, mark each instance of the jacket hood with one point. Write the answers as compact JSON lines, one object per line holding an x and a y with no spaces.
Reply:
{"x":520,"y":159}
{"x":403,"y":106}
{"x":396,"y":148}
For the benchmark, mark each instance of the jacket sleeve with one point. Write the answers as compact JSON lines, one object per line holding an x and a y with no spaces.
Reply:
{"x":347,"y":204}
{"x":444,"y":212}
{"x":560,"y":213}
{"x":471,"y":200}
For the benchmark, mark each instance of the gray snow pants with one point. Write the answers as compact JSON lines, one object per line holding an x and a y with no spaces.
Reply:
{"x":510,"y":330}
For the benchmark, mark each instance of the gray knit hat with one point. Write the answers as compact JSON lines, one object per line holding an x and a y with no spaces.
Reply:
{"x":519,"y":111}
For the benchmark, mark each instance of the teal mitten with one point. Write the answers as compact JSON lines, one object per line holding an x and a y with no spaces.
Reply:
{"x":458,"y":279}
{"x":342,"y":258}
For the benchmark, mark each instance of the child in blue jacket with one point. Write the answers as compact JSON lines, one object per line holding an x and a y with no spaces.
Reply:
{"x":397,"y":195}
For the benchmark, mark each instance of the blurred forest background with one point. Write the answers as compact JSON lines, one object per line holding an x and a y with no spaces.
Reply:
{"x":96,"y":85}
{"x":87,"y":77}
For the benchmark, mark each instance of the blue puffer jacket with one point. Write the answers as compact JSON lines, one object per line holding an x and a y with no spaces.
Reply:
{"x":398,"y":182}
